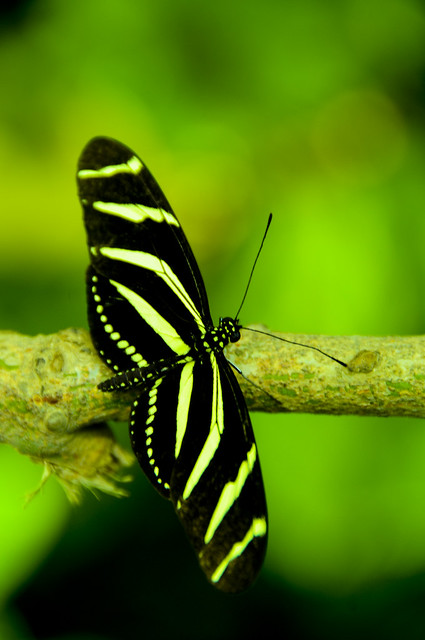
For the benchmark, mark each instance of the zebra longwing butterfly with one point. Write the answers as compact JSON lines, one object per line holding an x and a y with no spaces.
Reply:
{"x":150,"y":322}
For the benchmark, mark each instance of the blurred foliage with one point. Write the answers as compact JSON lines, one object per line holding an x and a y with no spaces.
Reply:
{"x":314,"y":111}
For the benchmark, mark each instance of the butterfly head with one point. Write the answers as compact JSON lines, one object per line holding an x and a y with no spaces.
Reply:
{"x":230,"y":329}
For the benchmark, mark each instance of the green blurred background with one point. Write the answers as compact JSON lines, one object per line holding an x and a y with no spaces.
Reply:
{"x":313,"y":110}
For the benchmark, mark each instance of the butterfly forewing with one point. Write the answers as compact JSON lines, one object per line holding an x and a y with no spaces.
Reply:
{"x":136,"y":241}
{"x":150,"y":321}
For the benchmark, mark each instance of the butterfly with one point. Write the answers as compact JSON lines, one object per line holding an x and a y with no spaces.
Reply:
{"x":151,"y":324}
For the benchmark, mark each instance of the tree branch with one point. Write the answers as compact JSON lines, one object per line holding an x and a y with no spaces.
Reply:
{"x":384,"y":375}
{"x":52,"y":411}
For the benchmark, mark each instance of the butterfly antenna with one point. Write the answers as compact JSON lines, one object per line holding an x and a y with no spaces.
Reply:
{"x":299,"y":344}
{"x":253,"y":266}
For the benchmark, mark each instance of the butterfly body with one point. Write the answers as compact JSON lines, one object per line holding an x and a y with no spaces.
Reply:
{"x":151,"y":324}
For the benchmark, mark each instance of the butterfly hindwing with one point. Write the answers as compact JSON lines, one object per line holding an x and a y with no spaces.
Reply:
{"x":182,"y":430}
{"x":153,"y":429}
{"x":216,"y":481}
{"x":150,"y":322}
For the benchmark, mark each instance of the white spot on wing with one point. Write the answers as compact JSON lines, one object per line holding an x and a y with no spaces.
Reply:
{"x":257,"y":529}
{"x":154,"y":319}
{"x":161,"y":268}
{"x":230,"y":493}
{"x":135,"y":212}
{"x":114,"y":335}
{"x":214,"y":436}
{"x":134,"y":165}
{"x":184,"y":398}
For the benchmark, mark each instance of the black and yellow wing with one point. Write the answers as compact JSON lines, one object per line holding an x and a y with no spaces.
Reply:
{"x":150,"y":322}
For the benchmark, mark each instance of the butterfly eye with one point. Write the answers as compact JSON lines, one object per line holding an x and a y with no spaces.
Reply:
{"x":235,"y":336}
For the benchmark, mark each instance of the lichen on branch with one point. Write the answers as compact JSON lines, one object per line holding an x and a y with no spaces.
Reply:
{"x":53,"y":412}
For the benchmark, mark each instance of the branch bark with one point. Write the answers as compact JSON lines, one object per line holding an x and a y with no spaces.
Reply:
{"x":52,"y":411}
